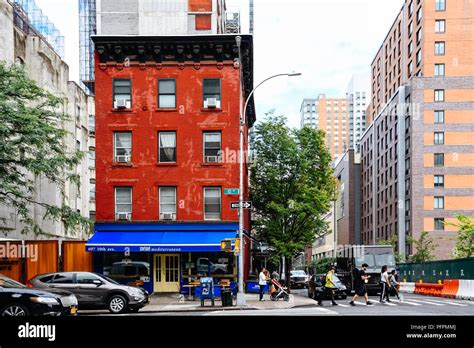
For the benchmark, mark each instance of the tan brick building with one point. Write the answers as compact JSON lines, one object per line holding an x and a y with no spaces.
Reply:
{"x":332,"y":116}
{"x":418,"y":151}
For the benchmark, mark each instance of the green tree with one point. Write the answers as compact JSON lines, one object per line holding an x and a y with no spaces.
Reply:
{"x":321,"y":265}
{"x":424,"y":247}
{"x":31,"y":147}
{"x":292,"y":187}
{"x":465,"y":236}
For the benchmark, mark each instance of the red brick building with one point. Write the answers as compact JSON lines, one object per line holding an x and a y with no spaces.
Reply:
{"x":167,"y":139}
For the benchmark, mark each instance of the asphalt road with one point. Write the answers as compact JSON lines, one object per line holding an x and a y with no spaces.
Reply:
{"x":412,"y":305}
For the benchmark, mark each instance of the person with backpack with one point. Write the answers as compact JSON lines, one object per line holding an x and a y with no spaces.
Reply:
{"x":329,"y":286}
{"x":384,"y":285}
{"x":360,"y":285}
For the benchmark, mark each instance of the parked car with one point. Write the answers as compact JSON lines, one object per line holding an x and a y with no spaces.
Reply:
{"x":95,"y":291}
{"x":298,"y":279}
{"x":17,"y":299}
{"x":316,"y":288}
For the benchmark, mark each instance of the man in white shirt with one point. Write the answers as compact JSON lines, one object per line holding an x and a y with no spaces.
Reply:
{"x":262,"y":281}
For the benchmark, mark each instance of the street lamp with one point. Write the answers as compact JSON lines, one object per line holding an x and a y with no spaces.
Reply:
{"x":240,"y":293}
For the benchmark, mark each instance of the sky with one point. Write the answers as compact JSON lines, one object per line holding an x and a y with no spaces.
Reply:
{"x":325,"y":40}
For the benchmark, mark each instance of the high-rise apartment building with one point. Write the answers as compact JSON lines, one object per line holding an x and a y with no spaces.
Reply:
{"x":418,"y":151}
{"x":358,"y":94}
{"x":330,"y":115}
{"x":144,"y":17}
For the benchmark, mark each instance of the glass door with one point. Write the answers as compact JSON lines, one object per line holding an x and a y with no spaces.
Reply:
{"x":166,"y":273}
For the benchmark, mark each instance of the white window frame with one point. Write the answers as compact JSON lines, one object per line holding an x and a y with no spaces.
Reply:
{"x":219,"y":157}
{"x":212,"y":188}
{"x":161,"y":212}
{"x":115,"y":144}
{"x":438,"y":45}
{"x":116,"y":204}
{"x":175,"y":146}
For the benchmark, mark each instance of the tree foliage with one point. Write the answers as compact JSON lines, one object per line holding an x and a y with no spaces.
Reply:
{"x":292,"y":186}
{"x":465,"y":236}
{"x":393,"y":241}
{"x":321,"y":265}
{"x":32,"y":146}
{"x":424,"y":247}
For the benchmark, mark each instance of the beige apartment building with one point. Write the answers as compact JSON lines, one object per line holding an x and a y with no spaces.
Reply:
{"x":332,"y":116}
{"x":418,"y":151}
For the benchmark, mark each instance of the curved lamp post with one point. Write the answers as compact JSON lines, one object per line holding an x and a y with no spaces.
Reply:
{"x":240,"y":293}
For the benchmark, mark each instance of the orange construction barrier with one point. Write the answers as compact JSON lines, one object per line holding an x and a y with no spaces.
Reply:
{"x":428,"y":289}
{"x":450,"y":288}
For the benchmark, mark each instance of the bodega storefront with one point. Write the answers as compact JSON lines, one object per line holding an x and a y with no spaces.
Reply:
{"x":166,"y":257}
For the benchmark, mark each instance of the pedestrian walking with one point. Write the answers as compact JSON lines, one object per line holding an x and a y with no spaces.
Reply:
{"x":262,"y":281}
{"x":394,"y":284}
{"x":384,"y":285}
{"x":360,"y":285}
{"x":329,"y":287}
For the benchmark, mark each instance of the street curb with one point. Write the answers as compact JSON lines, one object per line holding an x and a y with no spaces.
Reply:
{"x":199,"y":309}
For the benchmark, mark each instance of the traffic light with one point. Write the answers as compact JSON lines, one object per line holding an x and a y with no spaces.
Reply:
{"x":226,"y":245}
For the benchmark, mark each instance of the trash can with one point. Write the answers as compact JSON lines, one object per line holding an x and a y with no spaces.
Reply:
{"x":207,"y":290}
{"x":226,"y":296}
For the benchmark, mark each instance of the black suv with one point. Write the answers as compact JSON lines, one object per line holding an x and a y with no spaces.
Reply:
{"x":95,"y":291}
{"x":17,"y":300}
{"x":316,"y":288}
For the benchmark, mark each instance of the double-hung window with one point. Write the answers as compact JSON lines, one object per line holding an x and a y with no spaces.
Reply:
{"x":167,"y":203}
{"x":123,"y":203}
{"x":122,"y":147}
{"x":212,"y":147}
{"x":212,"y":203}
{"x":122,"y":89}
{"x":166,"y":93}
{"x":439,"y":159}
{"x":211,"y":89}
{"x":167,"y":147}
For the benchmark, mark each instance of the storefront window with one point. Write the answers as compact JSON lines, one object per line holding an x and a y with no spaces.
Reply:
{"x":125,"y":269}
{"x":217,"y":265}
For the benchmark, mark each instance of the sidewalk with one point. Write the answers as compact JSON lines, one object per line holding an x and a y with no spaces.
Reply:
{"x":175,"y":303}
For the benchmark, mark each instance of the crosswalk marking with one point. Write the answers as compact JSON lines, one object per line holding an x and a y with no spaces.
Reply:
{"x":360,"y":303}
{"x":449,"y":302}
{"x":427,"y":302}
{"x":408,"y":303}
{"x":342,"y":305}
{"x":387,"y":303}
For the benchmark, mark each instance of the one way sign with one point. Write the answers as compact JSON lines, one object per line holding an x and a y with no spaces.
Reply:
{"x":245,"y":205}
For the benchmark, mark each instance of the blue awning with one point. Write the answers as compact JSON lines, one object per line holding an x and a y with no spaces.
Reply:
{"x":185,"y":237}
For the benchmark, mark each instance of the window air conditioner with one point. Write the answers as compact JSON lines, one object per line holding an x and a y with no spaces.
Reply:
{"x":168,"y":216}
{"x":124,"y":216}
{"x":211,"y":103}
{"x":212,"y":159}
{"x":121,"y":104}
{"x":123,"y":159}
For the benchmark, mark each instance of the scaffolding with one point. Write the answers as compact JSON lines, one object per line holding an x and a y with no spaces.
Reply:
{"x":232,"y":21}
{"x":87,"y":27}
{"x":40,"y":22}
